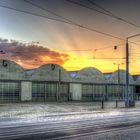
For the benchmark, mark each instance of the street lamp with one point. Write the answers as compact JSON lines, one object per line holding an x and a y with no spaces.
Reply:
{"x":127,"y":103}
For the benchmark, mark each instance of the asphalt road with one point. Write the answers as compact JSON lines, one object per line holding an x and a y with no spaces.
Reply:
{"x":78,"y":126}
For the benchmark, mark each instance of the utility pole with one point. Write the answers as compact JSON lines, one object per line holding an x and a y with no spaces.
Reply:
{"x":118,"y":65}
{"x":59,"y":84}
{"x":127,"y":97}
{"x":127,"y":100}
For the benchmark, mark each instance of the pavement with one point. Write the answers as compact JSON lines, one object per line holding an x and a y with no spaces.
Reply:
{"x":20,"y":113}
{"x":27,"y":109}
{"x":15,"y":113}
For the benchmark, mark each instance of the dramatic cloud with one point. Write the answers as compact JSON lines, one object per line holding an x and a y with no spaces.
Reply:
{"x":31,"y":55}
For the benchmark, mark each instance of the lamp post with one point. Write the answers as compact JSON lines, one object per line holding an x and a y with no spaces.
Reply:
{"x":127,"y":103}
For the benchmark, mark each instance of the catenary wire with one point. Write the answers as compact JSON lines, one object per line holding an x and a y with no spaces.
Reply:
{"x":47,"y":10}
{"x":107,"y":14}
{"x":58,"y":20}
{"x":36,"y":5}
{"x":100,"y":7}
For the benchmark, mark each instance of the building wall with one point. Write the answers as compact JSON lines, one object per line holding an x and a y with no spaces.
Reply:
{"x":9,"y":70}
{"x":120,"y":78}
{"x":50,"y":72}
{"x":72,"y":88}
{"x":89,"y":75}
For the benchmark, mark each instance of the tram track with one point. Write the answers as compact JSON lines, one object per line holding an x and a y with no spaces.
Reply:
{"x":50,"y":130}
{"x":67,"y":121}
{"x":52,"y":118}
{"x":101,"y":132}
{"x":82,"y":130}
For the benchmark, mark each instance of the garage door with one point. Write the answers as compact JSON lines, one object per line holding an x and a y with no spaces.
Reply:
{"x":64,"y":92}
{"x":87,"y":92}
{"x":45,"y":91}
{"x":9,"y":91}
{"x":92,"y":92}
{"x":38,"y":91}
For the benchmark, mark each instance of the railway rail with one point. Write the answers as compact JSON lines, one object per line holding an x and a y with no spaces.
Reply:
{"x":67,"y":129}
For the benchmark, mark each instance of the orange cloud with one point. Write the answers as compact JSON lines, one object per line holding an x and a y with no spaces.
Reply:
{"x":30,"y":56}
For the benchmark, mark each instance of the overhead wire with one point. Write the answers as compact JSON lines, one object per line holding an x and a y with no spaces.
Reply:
{"x":32,"y":13}
{"x":59,"y":20}
{"x":79,"y":25}
{"x":107,"y":14}
{"x":51,"y":61}
{"x":47,"y":10}
{"x":107,"y":47}
{"x":100,"y":7}
{"x":90,"y":8}
{"x":62,"y":21}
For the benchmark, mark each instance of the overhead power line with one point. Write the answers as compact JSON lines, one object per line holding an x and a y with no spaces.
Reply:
{"x":50,"y":51}
{"x":110,"y":14}
{"x":47,"y":10}
{"x":35,"y":5}
{"x":108,"y":58}
{"x":100,"y":7}
{"x":66,"y":22}
{"x":62,"y":21}
{"x":79,"y":25}
{"x":107,"y":47}
{"x":90,"y":8}
{"x":32,"y":13}
{"x":76,"y":50}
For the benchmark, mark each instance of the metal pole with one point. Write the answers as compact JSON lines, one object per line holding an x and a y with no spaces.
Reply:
{"x":118,"y":73}
{"x":102,"y":104}
{"x":59,"y":83}
{"x":127,"y":98}
{"x":127,"y":76}
{"x":118,"y":82}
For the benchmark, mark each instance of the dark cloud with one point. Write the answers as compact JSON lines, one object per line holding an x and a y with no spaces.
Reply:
{"x":31,"y":55}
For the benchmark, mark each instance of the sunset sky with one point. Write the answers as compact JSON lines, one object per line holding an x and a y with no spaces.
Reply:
{"x":32,"y":41}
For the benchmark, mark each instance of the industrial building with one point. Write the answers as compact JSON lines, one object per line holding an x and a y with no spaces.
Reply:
{"x":51,"y":82}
